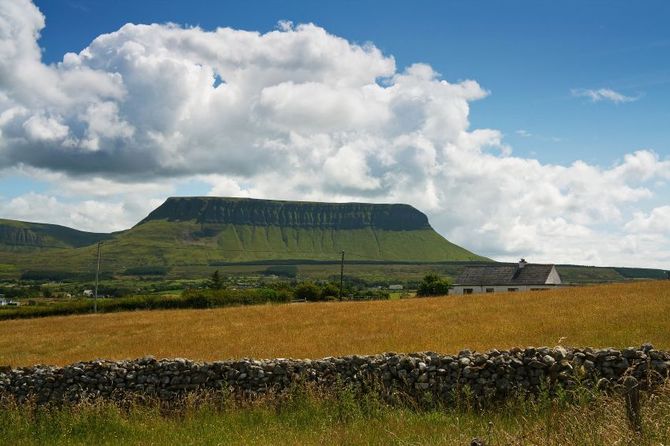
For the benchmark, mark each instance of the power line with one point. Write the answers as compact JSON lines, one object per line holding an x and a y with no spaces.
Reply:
{"x":97,"y":275}
{"x":341,"y":275}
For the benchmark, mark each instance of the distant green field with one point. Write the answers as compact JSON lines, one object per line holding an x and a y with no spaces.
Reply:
{"x":41,"y":267}
{"x":588,"y":274}
{"x":8,"y":271}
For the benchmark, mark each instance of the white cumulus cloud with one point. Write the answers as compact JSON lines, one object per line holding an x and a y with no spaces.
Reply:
{"x":655,"y":222}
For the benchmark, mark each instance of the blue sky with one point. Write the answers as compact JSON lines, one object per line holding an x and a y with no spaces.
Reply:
{"x":558,"y":151}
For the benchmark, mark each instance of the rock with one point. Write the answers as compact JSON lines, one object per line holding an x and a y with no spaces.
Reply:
{"x":560,"y":353}
{"x":630,"y":353}
{"x":548,"y":360}
{"x":499,"y":373}
{"x":647,"y":347}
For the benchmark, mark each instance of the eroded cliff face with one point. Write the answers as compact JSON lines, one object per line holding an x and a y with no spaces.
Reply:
{"x":42,"y":235}
{"x":16,"y":236}
{"x":252,"y":212}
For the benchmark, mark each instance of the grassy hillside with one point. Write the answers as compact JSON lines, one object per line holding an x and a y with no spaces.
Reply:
{"x":606,"y":315}
{"x":200,"y":231}
{"x":189,"y":242}
{"x":589,"y":274}
{"x":27,"y":236}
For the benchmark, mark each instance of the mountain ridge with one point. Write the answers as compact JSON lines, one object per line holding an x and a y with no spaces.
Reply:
{"x":197,"y":231}
{"x":259,"y":212}
{"x":46,"y":235}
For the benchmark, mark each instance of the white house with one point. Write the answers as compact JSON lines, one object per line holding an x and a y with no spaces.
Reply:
{"x":506,"y":278}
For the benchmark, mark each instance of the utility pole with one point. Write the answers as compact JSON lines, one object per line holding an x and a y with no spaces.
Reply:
{"x":97,"y":276}
{"x":341,"y":275}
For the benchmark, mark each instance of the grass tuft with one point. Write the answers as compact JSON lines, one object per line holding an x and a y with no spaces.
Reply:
{"x":309,"y":416}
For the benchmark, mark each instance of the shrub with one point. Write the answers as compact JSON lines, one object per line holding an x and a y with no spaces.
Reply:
{"x":373,"y":295}
{"x":308,"y":291}
{"x":433,"y":285}
{"x":330,"y":291}
{"x":189,"y":299}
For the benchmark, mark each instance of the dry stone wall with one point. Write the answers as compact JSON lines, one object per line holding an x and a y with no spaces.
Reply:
{"x":494,"y":374}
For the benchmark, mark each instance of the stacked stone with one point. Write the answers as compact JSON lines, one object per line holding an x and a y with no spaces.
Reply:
{"x":494,"y":374}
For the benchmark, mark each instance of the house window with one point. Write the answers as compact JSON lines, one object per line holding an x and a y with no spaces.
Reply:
{"x":512,"y":289}
{"x":467,"y":290}
{"x":490,"y":290}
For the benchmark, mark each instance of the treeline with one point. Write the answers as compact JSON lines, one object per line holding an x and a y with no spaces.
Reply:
{"x":63,"y":276}
{"x":190,"y":298}
{"x":315,"y":292}
{"x":216,"y":294}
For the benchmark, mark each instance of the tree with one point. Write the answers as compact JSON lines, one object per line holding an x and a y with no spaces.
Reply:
{"x":216,"y":283}
{"x":433,"y":285}
{"x":46,"y":292}
{"x":307,"y":291}
{"x":330,"y":291}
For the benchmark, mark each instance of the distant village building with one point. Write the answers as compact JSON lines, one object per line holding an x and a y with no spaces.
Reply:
{"x":506,"y":278}
{"x":4,"y":302}
{"x":7,"y":302}
{"x":395,"y":287}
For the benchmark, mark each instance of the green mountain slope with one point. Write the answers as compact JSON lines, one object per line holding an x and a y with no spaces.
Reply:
{"x":20,"y":235}
{"x":206,"y":230}
{"x":247,"y":229}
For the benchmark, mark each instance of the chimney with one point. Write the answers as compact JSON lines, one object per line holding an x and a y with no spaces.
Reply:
{"x":522,"y":263}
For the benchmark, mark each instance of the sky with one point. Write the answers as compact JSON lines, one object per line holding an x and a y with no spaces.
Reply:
{"x":531,"y":129}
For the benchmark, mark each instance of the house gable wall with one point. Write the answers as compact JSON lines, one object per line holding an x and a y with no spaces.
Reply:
{"x":553,"y":278}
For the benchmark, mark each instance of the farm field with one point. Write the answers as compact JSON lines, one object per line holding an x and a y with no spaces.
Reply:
{"x":615,"y":315}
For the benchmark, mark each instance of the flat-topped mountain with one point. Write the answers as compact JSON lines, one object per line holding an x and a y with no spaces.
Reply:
{"x":190,"y":236}
{"x":200,"y":231}
{"x":253,"y":212}
{"x":238,"y":229}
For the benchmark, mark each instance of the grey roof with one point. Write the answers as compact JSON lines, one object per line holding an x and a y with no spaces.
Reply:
{"x":531,"y":274}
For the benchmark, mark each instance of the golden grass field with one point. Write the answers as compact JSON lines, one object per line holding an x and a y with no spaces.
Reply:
{"x":615,"y":315}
